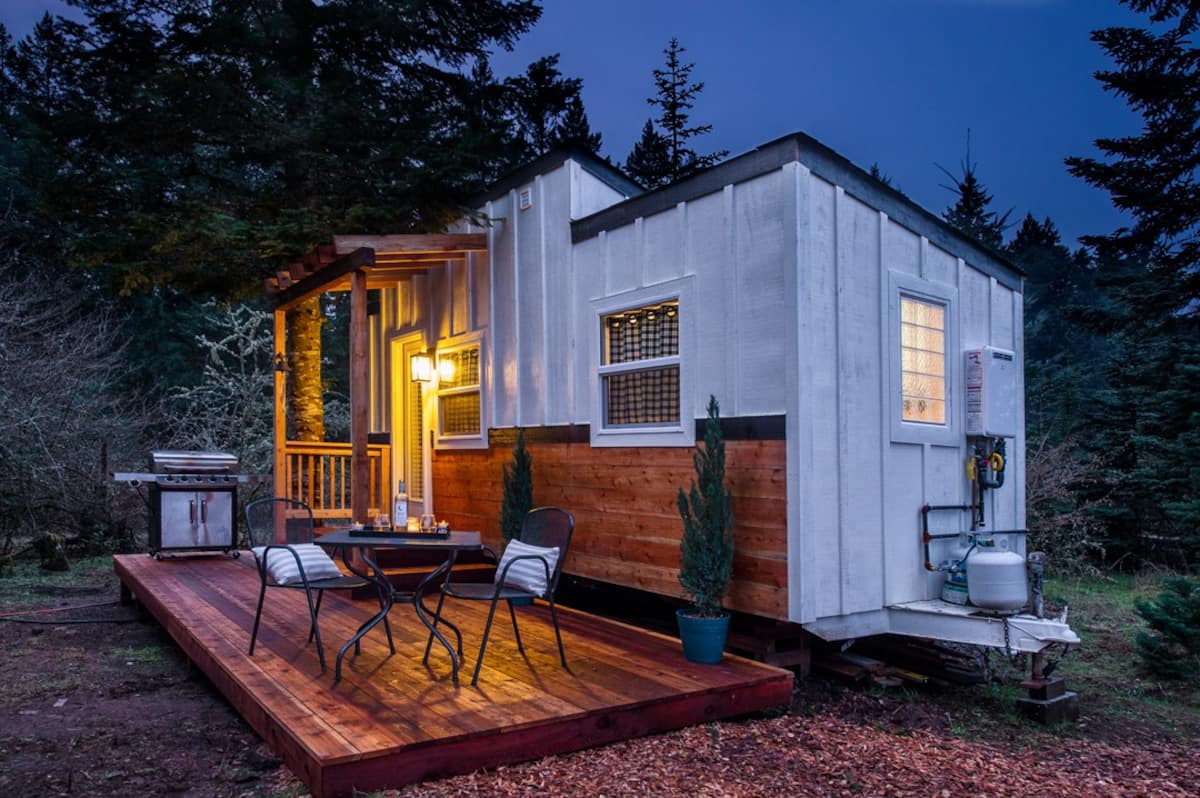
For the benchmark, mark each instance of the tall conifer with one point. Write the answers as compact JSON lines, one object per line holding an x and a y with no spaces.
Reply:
{"x":675,"y":96}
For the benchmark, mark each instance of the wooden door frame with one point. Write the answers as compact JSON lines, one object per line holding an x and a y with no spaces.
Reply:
{"x":397,"y":397}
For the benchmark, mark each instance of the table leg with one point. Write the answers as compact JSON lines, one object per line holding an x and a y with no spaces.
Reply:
{"x":422,"y":611}
{"x":385,"y":592}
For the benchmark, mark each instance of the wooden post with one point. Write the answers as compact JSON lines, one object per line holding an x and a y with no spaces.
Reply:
{"x":280,"y":428}
{"x":360,"y":479}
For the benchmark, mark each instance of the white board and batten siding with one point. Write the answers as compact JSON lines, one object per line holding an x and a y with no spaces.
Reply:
{"x":788,"y":284}
{"x":794,"y":282}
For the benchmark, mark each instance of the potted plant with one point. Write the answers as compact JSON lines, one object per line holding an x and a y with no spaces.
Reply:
{"x":706,"y":549}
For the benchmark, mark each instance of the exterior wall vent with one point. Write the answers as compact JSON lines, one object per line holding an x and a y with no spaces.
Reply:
{"x":525,"y":199}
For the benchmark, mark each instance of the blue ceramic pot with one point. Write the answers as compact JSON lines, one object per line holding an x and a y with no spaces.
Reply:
{"x":703,"y":638}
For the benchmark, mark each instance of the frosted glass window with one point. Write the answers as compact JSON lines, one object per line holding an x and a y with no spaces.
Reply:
{"x":922,"y":361}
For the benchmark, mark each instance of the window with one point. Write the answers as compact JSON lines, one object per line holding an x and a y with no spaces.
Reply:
{"x":640,"y":366}
{"x":643,"y":346}
{"x":922,"y":342}
{"x":460,"y":406}
{"x":922,"y":361}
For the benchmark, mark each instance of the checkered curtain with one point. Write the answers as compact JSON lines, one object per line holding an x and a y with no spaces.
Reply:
{"x":650,"y":396}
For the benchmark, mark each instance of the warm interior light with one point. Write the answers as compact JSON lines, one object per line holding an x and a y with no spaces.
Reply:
{"x":446,"y":370}
{"x":422,"y":367}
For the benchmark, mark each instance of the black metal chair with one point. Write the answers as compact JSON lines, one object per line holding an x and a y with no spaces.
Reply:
{"x":277,"y":525}
{"x":548,"y":527}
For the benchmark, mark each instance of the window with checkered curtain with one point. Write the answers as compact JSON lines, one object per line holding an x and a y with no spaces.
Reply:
{"x":643,"y":345}
{"x":458,"y":391}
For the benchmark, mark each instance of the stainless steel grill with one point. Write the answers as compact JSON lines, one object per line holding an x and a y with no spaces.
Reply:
{"x":193,"y":500}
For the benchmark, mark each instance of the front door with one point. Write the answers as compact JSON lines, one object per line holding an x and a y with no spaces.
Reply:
{"x":410,"y":456}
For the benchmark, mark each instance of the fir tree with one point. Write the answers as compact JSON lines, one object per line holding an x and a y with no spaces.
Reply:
{"x":1172,"y":646}
{"x":549,"y":109}
{"x":575,"y":127}
{"x":971,"y":212}
{"x":518,"y":490}
{"x":1149,"y":272}
{"x":706,"y":548}
{"x":675,"y":98}
{"x":649,"y":162}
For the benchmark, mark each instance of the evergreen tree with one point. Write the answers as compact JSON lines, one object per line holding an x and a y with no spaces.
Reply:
{"x":878,"y":174}
{"x":706,"y":548}
{"x":169,"y":145}
{"x":675,"y":98}
{"x":971,"y":212}
{"x":649,"y":162}
{"x":518,"y":490}
{"x":199,"y":144}
{"x":575,"y":127}
{"x":1149,"y":272}
{"x":548,"y":109}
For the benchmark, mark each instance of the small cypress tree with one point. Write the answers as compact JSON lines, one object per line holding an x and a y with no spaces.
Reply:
{"x":706,"y":549}
{"x":1172,"y":649}
{"x":518,"y":490}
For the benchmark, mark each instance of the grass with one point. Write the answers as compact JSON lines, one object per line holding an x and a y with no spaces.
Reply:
{"x":1105,"y":669}
{"x":25,"y":584}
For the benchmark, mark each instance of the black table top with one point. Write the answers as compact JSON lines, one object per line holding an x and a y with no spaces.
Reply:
{"x":456,"y":540}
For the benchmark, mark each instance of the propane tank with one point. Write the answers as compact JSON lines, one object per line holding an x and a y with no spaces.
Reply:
{"x":996,"y":578}
{"x":954,"y":589}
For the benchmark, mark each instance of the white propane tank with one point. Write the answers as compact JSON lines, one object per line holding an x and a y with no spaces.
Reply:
{"x":996,"y":578}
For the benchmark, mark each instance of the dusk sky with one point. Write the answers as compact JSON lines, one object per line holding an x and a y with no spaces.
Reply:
{"x":893,"y":82}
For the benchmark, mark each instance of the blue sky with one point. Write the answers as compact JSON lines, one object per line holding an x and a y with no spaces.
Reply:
{"x":893,"y":82}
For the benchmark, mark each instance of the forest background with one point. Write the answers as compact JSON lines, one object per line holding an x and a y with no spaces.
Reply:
{"x":159,"y":159}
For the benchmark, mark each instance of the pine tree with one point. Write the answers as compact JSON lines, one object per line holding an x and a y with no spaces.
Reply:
{"x":198,"y":145}
{"x":649,"y":162}
{"x":706,"y":548}
{"x":549,"y":109}
{"x":675,"y":98}
{"x":575,"y":127}
{"x":1172,"y":646}
{"x":971,"y":213}
{"x":518,"y":490}
{"x":1149,"y":272}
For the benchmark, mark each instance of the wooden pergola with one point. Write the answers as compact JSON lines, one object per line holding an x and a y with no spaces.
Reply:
{"x":353,"y":263}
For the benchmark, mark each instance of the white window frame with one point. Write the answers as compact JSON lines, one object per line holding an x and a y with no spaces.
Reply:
{"x":465,"y":441}
{"x":947,"y":434}
{"x":683,"y":433}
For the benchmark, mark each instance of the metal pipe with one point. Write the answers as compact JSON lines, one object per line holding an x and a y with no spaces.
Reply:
{"x":927,"y":536}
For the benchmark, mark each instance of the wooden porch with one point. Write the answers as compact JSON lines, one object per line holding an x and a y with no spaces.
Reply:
{"x":392,"y":721}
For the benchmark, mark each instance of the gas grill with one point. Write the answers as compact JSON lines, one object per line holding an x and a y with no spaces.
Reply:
{"x":193,"y":500}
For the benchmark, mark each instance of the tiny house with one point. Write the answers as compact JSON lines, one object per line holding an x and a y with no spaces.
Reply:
{"x":839,"y":325}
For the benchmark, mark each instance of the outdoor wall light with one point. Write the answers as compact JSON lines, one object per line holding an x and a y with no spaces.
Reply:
{"x":422,"y":367}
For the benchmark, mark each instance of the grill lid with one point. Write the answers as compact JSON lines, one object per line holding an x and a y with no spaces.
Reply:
{"x":173,"y":461}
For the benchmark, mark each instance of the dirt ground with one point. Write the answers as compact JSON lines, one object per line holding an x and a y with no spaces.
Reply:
{"x":113,"y":709}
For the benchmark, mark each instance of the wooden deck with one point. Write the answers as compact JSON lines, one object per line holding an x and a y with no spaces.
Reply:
{"x":392,"y":721}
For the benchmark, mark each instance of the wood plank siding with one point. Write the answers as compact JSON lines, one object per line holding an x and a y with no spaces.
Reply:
{"x":627,"y":526}
{"x":392,"y":721}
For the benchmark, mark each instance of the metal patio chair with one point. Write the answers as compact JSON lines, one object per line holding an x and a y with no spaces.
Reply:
{"x":308,"y":569}
{"x":545,"y":527}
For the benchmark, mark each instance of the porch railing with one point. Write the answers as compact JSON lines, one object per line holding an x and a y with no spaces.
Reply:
{"x":318,"y":474}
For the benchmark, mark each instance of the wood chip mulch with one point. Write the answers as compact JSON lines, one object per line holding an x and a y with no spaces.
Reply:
{"x":825,"y":755}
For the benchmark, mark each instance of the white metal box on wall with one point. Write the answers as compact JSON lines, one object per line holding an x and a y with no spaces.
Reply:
{"x":991,"y":391}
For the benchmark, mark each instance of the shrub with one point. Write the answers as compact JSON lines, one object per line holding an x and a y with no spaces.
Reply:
{"x":706,"y":549}
{"x":518,"y":490}
{"x":1172,"y":648}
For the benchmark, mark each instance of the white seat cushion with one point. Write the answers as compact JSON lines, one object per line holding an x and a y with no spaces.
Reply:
{"x":284,"y":571}
{"x":528,"y":575}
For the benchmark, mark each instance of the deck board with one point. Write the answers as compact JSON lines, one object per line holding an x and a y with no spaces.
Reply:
{"x":393,"y":721}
